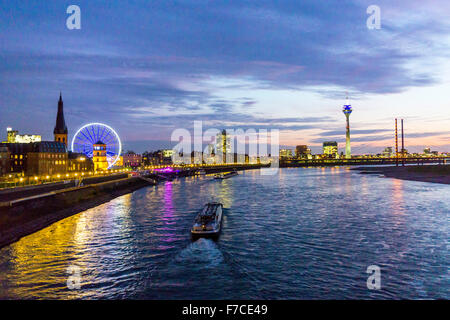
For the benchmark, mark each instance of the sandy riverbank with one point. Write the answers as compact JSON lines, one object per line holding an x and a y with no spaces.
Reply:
{"x":424,"y":173}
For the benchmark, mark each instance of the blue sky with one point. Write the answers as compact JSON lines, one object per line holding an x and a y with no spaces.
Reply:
{"x":149,"y":67}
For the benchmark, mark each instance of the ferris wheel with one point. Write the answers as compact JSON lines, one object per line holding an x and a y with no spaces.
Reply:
{"x":92,"y":133}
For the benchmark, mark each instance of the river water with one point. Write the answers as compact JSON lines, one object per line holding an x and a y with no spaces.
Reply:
{"x":305,"y":233}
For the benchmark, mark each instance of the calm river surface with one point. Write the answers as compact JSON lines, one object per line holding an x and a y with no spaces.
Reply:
{"x":305,"y":233}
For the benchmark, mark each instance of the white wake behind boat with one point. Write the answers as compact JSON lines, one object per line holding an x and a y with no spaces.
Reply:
{"x":209,"y":221}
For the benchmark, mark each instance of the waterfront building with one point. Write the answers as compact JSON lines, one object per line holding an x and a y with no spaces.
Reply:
{"x":18,"y":156}
{"x":285,"y":153}
{"x":4,"y":159}
{"x":303,"y":152}
{"x":79,"y":162}
{"x":119,"y":162}
{"x":388,"y":152}
{"x":167,"y":153}
{"x":157,"y":157}
{"x":166,"y":156}
{"x":100,"y":160}
{"x":196,"y":157}
{"x":347,"y":110}
{"x":223,"y":146}
{"x":427,"y":152}
{"x":209,"y":157}
{"x":47,"y":157}
{"x":330,"y":149}
{"x":150,"y":158}
{"x":147,"y":158}
{"x":60,"y":131}
{"x":13,"y":136}
{"x":211,"y":149}
{"x":37,"y":158}
{"x":131,"y":159}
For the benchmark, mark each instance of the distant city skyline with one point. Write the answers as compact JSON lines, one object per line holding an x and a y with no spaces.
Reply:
{"x":147,"y":68}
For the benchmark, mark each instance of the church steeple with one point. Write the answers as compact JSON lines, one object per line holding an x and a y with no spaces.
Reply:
{"x":60,"y":131}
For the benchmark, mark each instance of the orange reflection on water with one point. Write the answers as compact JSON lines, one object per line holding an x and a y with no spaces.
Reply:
{"x":335,"y":170}
{"x":43,"y":258}
{"x":39,"y":258}
{"x":397,"y":196}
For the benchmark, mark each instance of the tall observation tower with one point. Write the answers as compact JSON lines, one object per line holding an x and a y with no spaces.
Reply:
{"x":347,"y":111}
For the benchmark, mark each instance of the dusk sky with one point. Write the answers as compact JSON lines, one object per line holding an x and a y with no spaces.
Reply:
{"x":148,"y":67}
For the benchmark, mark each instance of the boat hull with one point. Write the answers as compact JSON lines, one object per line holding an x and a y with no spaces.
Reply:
{"x":209,"y":229}
{"x":205,"y":234}
{"x":226,"y":176}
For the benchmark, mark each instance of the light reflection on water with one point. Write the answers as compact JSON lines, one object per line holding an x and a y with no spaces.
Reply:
{"x":305,"y":233}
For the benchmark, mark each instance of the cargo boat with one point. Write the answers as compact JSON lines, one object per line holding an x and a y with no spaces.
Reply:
{"x":226,"y":175}
{"x":208,"y":222}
